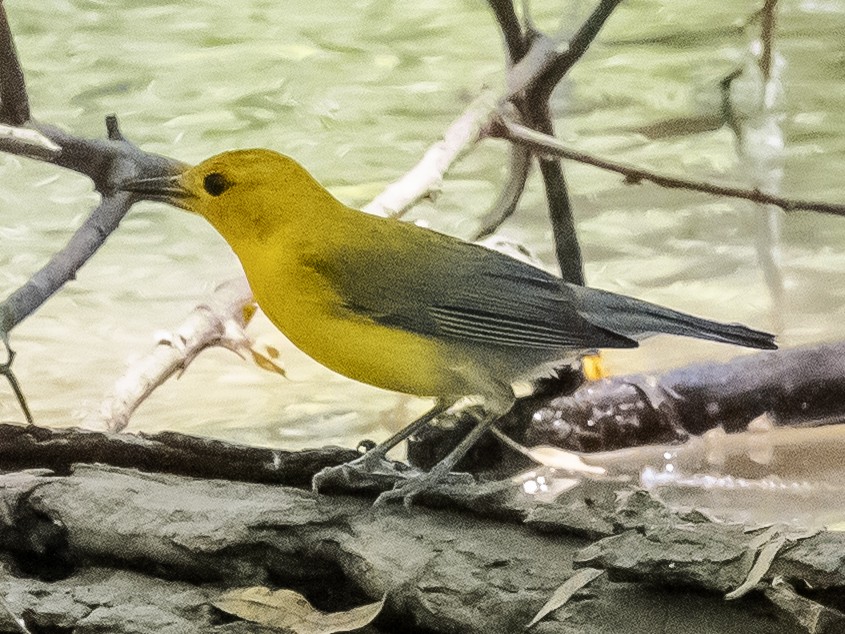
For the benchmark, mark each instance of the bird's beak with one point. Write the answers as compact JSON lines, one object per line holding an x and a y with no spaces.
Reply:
{"x":167,"y":188}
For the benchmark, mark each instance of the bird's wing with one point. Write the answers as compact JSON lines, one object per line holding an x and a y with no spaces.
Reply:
{"x":439,"y":286}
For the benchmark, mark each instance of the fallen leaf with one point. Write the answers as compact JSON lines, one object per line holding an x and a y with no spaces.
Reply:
{"x":265,"y":361}
{"x":564,"y":592}
{"x":248,"y":312}
{"x":761,"y":566}
{"x":286,"y":609}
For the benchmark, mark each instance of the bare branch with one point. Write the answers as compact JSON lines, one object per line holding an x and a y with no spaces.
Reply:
{"x":218,"y":322}
{"x":27,"y":142}
{"x":543,"y":143}
{"x":107,"y":163}
{"x":426,"y":177}
{"x":511,"y":28}
{"x":14,"y":108}
{"x":768,"y":36}
{"x":536,"y":114}
{"x":578,"y":45}
{"x":6,"y":370}
{"x":505,"y":205}
{"x":567,"y":249}
{"x":64,"y":264}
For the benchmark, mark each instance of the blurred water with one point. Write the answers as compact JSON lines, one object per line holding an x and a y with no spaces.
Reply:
{"x":356,"y":91}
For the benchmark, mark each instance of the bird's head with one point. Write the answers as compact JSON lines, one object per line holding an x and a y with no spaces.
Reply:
{"x":244,"y":194}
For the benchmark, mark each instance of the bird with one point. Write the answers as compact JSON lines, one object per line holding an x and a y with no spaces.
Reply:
{"x":403,"y":307}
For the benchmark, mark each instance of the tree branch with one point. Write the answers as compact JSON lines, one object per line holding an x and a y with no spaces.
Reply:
{"x":218,"y":322}
{"x":543,"y":143}
{"x":518,"y":170}
{"x":768,"y":35}
{"x":538,"y":117}
{"x":578,"y":45}
{"x":530,"y":91}
{"x":426,"y":176}
{"x":14,"y":103}
{"x":511,"y":29}
{"x":63,"y":265}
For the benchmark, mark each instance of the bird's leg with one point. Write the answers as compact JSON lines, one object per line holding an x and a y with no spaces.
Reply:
{"x":371,"y":461}
{"x":376,"y":454}
{"x":408,"y":489}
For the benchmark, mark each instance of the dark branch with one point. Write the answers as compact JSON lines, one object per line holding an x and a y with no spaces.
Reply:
{"x":166,"y":452}
{"x":6,"y":370}
{"x":567,"y":249}
{"x":511,"y":28}
{"x":578,"y":45}
{"x":505,"y":205}
{"x":768,"y":36}
{"x":543,"y":143}
{"x":14,"y":108}
{"x":63,"y":265}
{"x":107,"y":163}
{"x":538,"y":117}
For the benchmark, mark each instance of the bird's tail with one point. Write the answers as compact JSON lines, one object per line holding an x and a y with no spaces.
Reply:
{"x":638,"y":319}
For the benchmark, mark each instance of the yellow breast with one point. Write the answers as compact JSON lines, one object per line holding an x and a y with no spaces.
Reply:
{"x":309,"y":313}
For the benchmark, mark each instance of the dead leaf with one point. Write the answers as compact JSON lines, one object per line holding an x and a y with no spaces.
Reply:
{"x":565,"y":591}
{"x":765,"y":557}
{"x":266,"y":362}
{"x":248,"y":312}
{"x":286,"y":609}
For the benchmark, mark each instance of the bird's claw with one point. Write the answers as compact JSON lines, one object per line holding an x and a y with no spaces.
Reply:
{"x":362,"y":474}
{"x":408,"y":489}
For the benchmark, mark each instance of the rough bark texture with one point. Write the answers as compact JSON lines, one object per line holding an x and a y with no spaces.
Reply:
{"x":793,"y":387}
{"x":105,"y":549}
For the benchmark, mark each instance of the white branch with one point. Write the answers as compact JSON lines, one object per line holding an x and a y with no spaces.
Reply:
{"x":219,"y":322}
{"x":27,"y":142}
{"x":425,"y":179}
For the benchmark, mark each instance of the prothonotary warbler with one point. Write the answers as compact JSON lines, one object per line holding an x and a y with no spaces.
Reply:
{"x":402,"y":307}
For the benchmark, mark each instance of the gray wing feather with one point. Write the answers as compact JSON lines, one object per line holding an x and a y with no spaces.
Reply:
{"x":459,"y":291}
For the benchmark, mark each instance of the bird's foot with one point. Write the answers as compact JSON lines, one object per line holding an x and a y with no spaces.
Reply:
{"x":410,"y":487}
{"x":367,"y":473}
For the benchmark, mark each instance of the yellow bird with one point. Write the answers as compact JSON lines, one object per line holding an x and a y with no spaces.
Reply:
{"x":401,"y":307}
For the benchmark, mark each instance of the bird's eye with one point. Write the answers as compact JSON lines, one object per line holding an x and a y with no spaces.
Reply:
{"x":215,"y":184}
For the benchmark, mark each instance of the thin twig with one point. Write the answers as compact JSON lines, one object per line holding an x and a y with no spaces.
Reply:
{"x":578,"y":45}
{"x":426,"y":177}
{"x":505,"y":205}
{"x":768,"y":36}
{"x":63,"y":265}
{"x":543,"y":143}
{"x":15,"y":103}
{"x":6,"y":370}
{"x":519,"y":166}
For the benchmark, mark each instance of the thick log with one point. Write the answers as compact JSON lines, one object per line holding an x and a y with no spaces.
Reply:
{"x":108,"y":549}
{"x":797,"y":386}
{"x":28,"y":447}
